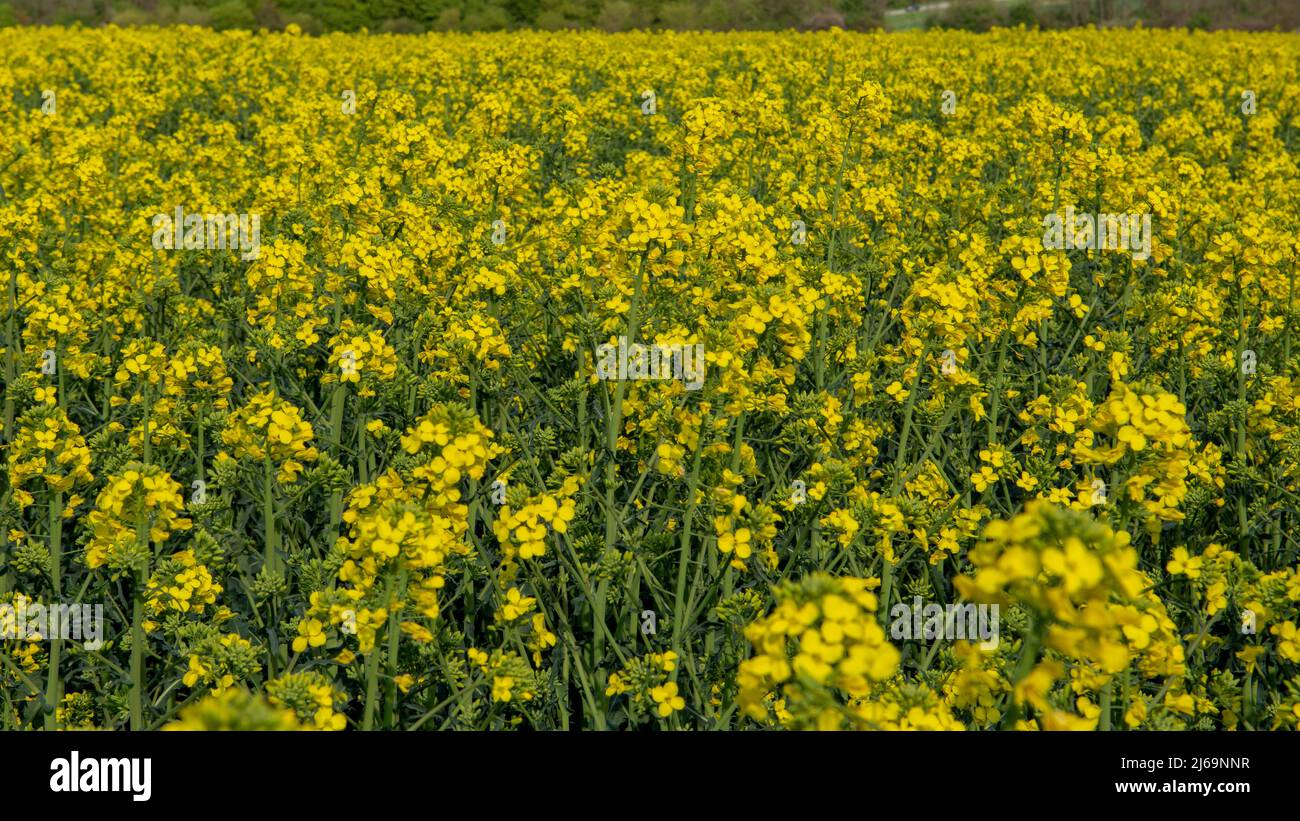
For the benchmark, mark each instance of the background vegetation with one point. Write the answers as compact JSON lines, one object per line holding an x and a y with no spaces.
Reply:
{"x":413,"y":16}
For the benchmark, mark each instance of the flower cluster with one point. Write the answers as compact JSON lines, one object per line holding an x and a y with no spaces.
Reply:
{"x":821,"y":651}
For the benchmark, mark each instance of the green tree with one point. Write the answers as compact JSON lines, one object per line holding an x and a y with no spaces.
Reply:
{"x":621,"y":15}
{"x":232,"y":14}
{"x":523,"y":12}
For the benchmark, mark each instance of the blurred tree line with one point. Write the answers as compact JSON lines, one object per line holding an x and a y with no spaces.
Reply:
{"x":414,"y":16}
{"x":981,"y":15}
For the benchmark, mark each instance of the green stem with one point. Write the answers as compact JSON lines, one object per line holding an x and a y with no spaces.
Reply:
{"x":1104,"y":723}
{"x":54,"y":684}
{"x":684,"y":551}
{"x":1028,"y":655}
{"x":614,"y":424}
{"x":136,"y":697}
{"x":337,"y":403}
{"x":270,"y":557}
{"x":394,"y":634}
{"x":372,"y":687}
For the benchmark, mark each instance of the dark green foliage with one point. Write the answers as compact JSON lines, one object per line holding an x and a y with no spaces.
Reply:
{"x":416,"y":16}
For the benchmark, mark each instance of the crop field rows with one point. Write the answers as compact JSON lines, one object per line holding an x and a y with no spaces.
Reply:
{"x":649,"y":381}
